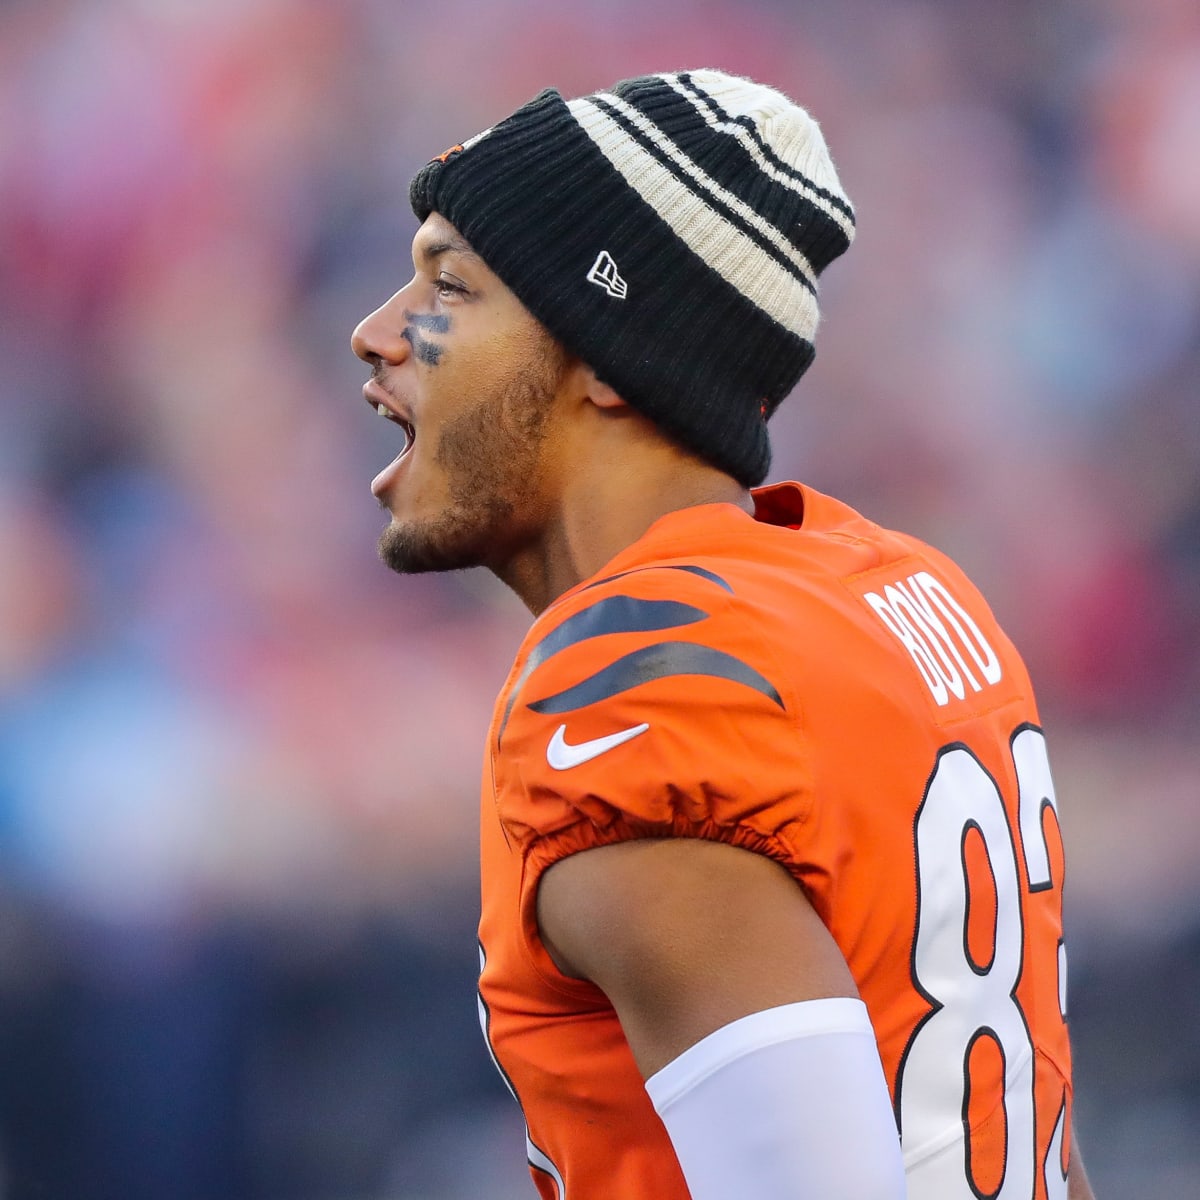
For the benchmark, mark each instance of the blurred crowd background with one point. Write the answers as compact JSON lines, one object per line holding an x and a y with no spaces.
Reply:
{"x":238,"y":759}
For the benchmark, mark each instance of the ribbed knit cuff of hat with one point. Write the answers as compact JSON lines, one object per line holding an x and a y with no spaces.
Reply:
{"x":663,"y":240}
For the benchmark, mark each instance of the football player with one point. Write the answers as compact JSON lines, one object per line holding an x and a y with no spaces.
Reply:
{"x":771,"y":864}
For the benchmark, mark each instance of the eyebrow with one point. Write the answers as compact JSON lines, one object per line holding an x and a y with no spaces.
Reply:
{"x":429,"y":251}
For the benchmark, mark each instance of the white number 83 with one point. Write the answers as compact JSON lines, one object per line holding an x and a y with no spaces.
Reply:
{"x":975,"y":1001}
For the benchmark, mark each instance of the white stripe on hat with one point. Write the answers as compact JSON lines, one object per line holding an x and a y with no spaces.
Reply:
{"x":471,"y":141}
{"x":808,"y":189}
{"x":709,"y":184}
{"x":735,"y":256}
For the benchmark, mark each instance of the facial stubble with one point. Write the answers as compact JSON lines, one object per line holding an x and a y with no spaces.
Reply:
{"x":490,"y":454}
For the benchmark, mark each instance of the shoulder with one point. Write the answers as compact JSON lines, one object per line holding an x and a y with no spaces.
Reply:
{"x":658,"y":622}
{"x":650,"y":698}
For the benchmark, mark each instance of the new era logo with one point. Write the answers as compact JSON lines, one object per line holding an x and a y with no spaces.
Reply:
{"x":604,"y":274}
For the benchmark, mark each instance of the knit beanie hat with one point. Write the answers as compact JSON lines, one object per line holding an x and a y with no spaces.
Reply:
{"x":669,"y":233}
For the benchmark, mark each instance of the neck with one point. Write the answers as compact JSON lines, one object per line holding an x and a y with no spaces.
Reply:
{"x":606,"y":499}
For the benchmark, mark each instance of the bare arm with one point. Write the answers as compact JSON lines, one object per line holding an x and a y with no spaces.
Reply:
{"x":685,"y":936}
{"x":741,"y":1014}
{"x":1078,"y":1187}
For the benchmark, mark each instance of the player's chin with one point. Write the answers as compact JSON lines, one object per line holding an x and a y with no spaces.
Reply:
{"x":413,"y":549}
{"x":401,"y":550}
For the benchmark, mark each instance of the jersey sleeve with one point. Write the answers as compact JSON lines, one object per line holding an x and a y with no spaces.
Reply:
{"x":650,"y":709}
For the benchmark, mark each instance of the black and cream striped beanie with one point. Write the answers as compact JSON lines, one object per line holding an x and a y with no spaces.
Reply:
{"x":670,"y":233}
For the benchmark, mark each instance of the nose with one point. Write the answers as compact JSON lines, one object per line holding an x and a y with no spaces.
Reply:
{"x":379,"y":337}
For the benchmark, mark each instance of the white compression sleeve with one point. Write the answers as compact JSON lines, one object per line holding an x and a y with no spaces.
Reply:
{"x":785,"y":1104}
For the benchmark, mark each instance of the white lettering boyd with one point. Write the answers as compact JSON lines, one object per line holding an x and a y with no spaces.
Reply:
{"x":939,"y":635}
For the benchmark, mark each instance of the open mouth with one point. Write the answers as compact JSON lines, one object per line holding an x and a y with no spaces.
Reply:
{"x":410,"y":435}
{"x":383,"y":482}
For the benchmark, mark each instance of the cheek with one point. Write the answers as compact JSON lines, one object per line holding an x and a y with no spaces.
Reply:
{"x":492,"y":401}
{"x":464,"y":441}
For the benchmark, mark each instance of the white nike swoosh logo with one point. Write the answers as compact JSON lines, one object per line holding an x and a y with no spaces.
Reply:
{"x":561,"y":755}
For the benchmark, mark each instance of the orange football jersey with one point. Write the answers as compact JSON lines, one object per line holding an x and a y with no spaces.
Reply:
{"x":812,"y":687}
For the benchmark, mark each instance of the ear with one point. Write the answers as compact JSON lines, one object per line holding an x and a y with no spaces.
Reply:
{"x":601,"y":394}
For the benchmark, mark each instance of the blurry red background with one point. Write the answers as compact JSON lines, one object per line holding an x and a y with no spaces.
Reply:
{"x":238,"y":759}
